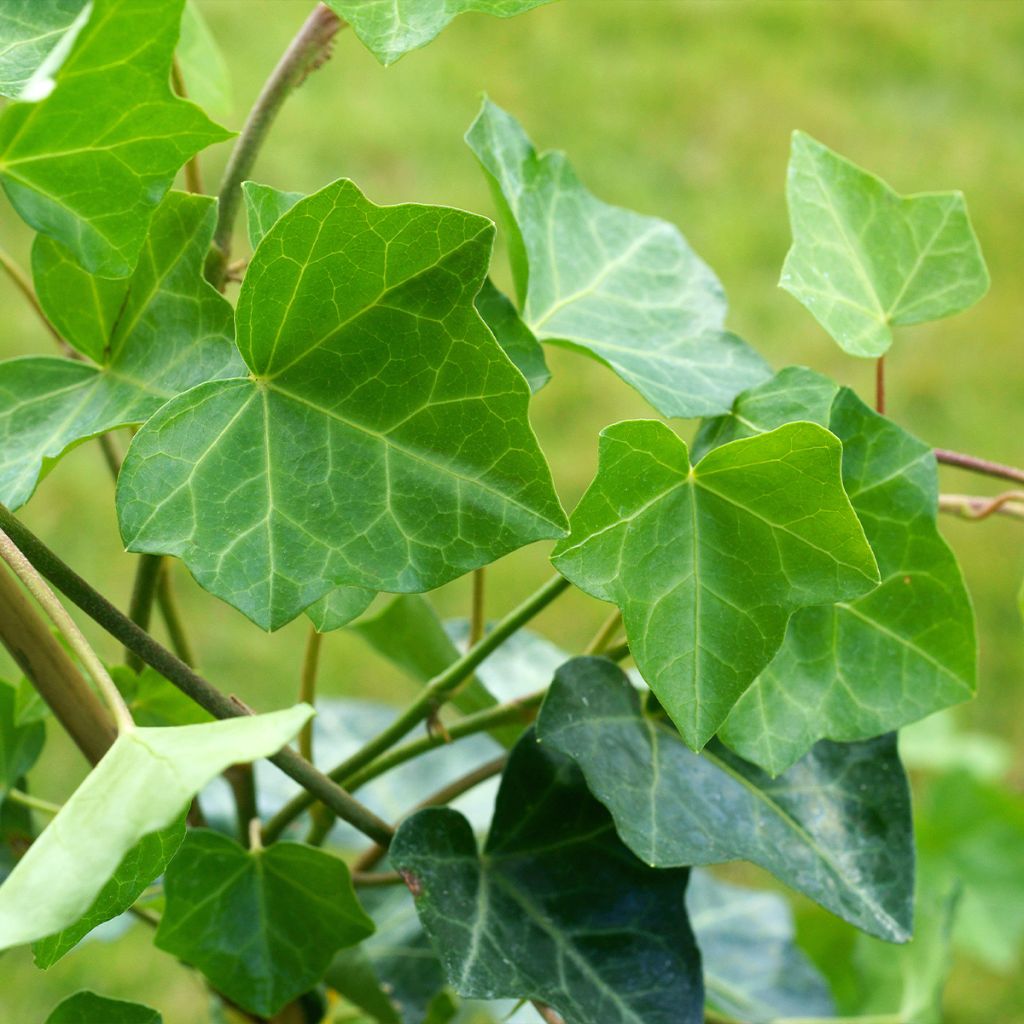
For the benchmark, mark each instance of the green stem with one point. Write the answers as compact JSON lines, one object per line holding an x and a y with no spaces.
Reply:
{"x":144,"y":591}
{"x":477,"y":612}
{"x":24,"y":285}
{"x":604,"y":635}
{"x":20,"y":797}
{"x":172,"y":618}
{"x":307,"y":688}
{"x":193,"y":173}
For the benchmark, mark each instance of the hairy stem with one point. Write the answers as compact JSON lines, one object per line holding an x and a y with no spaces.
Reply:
{"x":982,"y":466}
{"x":144,"y":591}
{"x":968,"y":506}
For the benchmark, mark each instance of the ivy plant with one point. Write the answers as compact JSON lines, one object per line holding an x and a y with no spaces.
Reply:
{"x":350,"y":427}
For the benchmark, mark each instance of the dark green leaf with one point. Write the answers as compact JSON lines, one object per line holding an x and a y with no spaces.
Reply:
{"x":623,"y":288}
{"x":339,"y":608}
{"x":707,"y":563}
{"x":262,"y":925}
{"x":29,"y":31}
{"x":154,"y":701}
{"x":555,"y":908}
{"x":513,"y":335}
{"x":16,"y":833}
{"x":20,"y":745}
{"x":382,"y":440}
{"x":89,"y":1008}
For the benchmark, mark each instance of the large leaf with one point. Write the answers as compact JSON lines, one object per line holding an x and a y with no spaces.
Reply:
{"x":623,"y":288}
{"x":391,"y":28}
{"x":89,"y":1008}
{"x":836,"y":826}
{"x":262,"y":925}
{"x":142,"y":784}
{"x":149,"y":337}
{"x":20,"y":744}
{"x":708,"y":562}
{"x":88,"y":164}
{"x":382,"y":440}
{"x":860,"y":667}
{"x":29,"y":32}
{"x":865,"y":259}
{"x":753,"y":970}
{"x":555,"y":908}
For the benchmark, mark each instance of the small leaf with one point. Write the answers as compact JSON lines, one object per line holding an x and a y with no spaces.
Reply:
{"x":623,"y":288}
{"x":88,"y":164}
{"x":707,"y":563}
{"x":29,"y":32}
{"x":140,"y":786}
{"x":339,"y":608}
{"x":836,"y":826}
{"x":20,"y":744}
{"x":264,"y":207}
{"x":154,"y":701}
{"x":391,"y":28}
{"x":513,"y":335}
{"x":89,"y":1008}
{"x":555,"y":908}
{"x":206,"y":75}
{"x":261,"y":925}
{"x":865,"y":259}
{"x":382,"y":440}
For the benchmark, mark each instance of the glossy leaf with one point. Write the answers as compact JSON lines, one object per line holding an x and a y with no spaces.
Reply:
{"x":262,"y":925}
{"x":149,"y":337}
{"x":860,"y":667}
{"x":518,"y":341}
{"x":29,"y":32}
{"x":555,"y":908}
{"x":89,"y":1008}
{"x":865,"y":259}
{"x":382,"y":440}
{"x":708,"y":562}
{"x":20,"y":744}
{"x":836,"y":826}
{"x":391,"y":28}
{"x":87,"y":165}
{"x":623,"y":288}
{"x":754,"y":971}
{"x":141,"y":785}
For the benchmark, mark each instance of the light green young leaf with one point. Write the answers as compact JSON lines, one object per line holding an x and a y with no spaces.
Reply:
{"x":150,"y":337}
{"x":391,"y":28}
{"x":513,"y":335}
{"x":623,"y":288}
{"x":29,"y":31}
{"x":708,"y":562}
{"x":20,"y":744}
{"x":263,"y":924}
{"x":857,"y":668}
{"x":88,"y":164}
{"x":264,"y":207}
{"x":865,"y":259}
{"x":141,"y":785}
{"x":206,"y":75}
{"x":836,"y":826}
{"x":555,"y":908}
{"x":382,"y":441}
{"x":89,"y":1008}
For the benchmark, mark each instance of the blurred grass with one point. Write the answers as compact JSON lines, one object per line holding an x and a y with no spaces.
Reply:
{"x":682,"y":110}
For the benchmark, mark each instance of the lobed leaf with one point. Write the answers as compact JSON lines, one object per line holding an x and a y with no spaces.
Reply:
{"x":89,"y":1008}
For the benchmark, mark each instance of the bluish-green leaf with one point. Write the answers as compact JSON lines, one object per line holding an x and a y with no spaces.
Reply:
{"x":382,"y":440}
{"x":29,"y":32}
{"x":865,"y":259}
{"x":518,"y":341}
{"x":708,"y":562}
{"x":20,"y":744}
{"x":89,"y":1008}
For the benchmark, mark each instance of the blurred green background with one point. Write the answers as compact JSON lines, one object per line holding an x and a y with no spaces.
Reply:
{"x":679,"y":109}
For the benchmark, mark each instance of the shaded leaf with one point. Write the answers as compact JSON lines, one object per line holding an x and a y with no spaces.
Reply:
{"x":16,"y":833}
{"x":339,"y":608}
{"x":20,"y":744}
{"x":89,"y":1008}
{"x":623,"y":288}
{"x":707,"y":563}
{"x":29,"y":32}
{"x":513,"y":335}
{"x":865,"y":259}
{"x":206,"y":75}
{"x":155,"y":701}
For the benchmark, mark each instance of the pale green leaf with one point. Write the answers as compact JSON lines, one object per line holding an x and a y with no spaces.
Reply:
{"x":865,"y":259}
{"x":382,"y":441}
{"x":513,"y":335}
{"x":29,"y":31}
{"x":262,"y":925}
{"x":89,"y":163}
{"x":206,"y":75}
{"x":89,"y":1008}
{"x":623,"y":288}
{"x":140,"y":786}
{"x":20,"y":743}
{"x":264,"y":207}
{"x":708,"y":562}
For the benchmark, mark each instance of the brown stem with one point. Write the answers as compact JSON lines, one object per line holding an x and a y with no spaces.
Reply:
{"x":193,"y":174}
{"x":549,"y":1015}
{"x":24,"y":285}
{"x":982,"y":466}
{"x":967,"y":506}
{"x":880,"y":385}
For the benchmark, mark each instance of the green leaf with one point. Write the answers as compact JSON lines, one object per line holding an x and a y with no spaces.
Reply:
{"x":860,"y":667}
{"x":707,"y":563}
{"x":141,"y":785}
{"x":391,"y":28}
{"x":20,"y":745}
{"x":382,"y":441}
{"x":753,"y":969}
{"x":89,"y":1008}
{"x":866,"y":259}
{"x":264,"y":207}
{"x":150,"y":336}
{"x":29,"y":32}
{"x":555,"y":908}
{"x":88,"y":164}
{"x":262,"y":925}
{"x":339,"y":608}
{"x":623,"y":288}
{"x":154,"y":701}
{"x":16,"y":833}
{"x":836,"y":826}
{"x":936,"y":744}
{"x":518,"y":341}
{"x":206,"y":75}
{"x":144,"y":862}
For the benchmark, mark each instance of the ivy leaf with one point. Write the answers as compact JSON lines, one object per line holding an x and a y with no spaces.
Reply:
{"x":141,"y":785}
{"x":89,"y":1008}
{"x":389,"y":29}
{"x":149,"y":337}
{"x":144,"y":862}
{"x":555,"y":908}
{"x":262,"y":925}
{"x":623,"y":288}
{"x":857,"y":668}
{"x":382,"y":440}
{"x":518,"y":341}
{"x":753,"y":969}
{"x":339,"y":608}
{"x":708,"y":562}
{"x":264,"y":207}
{"x":836,"y":826}
{"x":20,"y":744}
{"x":29,"y":32}
{"x":865,"y":259}
{"x":154,"y":701}
{"x":206,"y":75}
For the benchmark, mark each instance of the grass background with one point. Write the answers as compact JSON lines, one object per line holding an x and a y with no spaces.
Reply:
{"x":679,"y":109}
